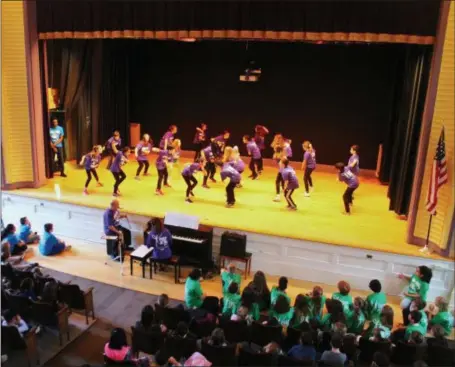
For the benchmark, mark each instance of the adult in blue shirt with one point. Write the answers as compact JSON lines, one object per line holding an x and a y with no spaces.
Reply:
{"x":16,"y":245}
{"x":112,"y":227}
{"x":49,"y":244}
{"x":57,"y":134}
{"x":305,"y":350}
{"x":160,"y":239}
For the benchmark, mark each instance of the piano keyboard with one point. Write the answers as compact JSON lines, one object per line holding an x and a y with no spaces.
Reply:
{"x":187,"y":239}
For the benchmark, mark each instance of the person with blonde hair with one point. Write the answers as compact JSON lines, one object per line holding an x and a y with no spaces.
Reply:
{"x":91,"y":161}
{"x":141,"y":152}
{"x":308,"y":166}
{"x":443,"y":318}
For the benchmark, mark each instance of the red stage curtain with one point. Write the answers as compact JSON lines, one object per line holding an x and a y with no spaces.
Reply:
{"x":352,"y":21}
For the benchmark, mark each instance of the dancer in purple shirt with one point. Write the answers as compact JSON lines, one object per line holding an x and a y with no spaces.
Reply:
{"x":91,"y":162}
{"x":222,"y":139}
{"x":237,"y":162}
{"x":209,"y":155}
{"x":164,"y":155}
{"x":121,"y":158}
{"x":188,"y":175}
{"x":260,"y":133}
{"x":350,"y":179}
{"x":112,"y":146}
{"x":141,"y":152}
{"x":291,"y":182}
{"x":354,"y":162}
{"x":255,"y":153}
{"x":234,"y":179}
{"x":281,"y":149}
{"x":200,"y":140}
{"x":308,"y":166}
{"x":168,"y":137}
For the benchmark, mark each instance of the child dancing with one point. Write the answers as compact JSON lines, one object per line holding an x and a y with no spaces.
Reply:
{"x":291,"y":182}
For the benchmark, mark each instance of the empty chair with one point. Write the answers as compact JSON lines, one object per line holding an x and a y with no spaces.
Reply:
{"x":263,"y":334}
{"x":248,"y":357}
{"x":76,"y":299}
{"x":147,"y":342}
{"x":172,"y":316}
{"x":368,"y":348}
{"x":219,"y":356}
{"x":45,"y":315}
{"x":406,"y":354}
{"x":286,"y":361}
{"x":19,"y":304}
{"x":13,"y":341}
{"x":440,"y":356}
{"x":202,"y":328}
{"x":235,"y":331}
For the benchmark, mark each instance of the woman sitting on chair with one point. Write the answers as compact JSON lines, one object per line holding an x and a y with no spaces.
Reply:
{"x":118,"y":350}
{"x":161,"y":240}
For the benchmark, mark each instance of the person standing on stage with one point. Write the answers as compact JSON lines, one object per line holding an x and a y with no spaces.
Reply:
{"x":345,"y":175}
{"x":57,"y":134}
{"x":164,"y":156}
{"x":234,"y":179}
{"x":237,"y":162}
{"x":281,"y":149}
{"x":291,"y":182}
{"x":259,"y":137}
{"x":91,"y":161}
{"x":209,"y":155}
{"x":255,"y":153}
{"x":113,"y":146}
{"x":168,"y":137}
{"x":160,"y":239}
{"x":112,"y":227}
{"x":200,"y":140}
{"x":222,"y":140}
{"x":308,"y":166}
{"x":141,"y":152}
{"x":354,"y":162}
{"x":121,"y":158}
{"x":188,"y":175}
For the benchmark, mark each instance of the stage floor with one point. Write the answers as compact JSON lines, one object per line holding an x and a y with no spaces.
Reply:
{"x":319,"y":218}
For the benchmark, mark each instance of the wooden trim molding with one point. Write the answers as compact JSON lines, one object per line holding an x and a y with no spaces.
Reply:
{"x":246,"y":35}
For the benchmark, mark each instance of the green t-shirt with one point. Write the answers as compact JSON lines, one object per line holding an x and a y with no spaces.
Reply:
{"x":413,"y":327}
{"x":383,"y":330}
{"x":417,"y":287}
{"x":424,"y":321}
{"x":326,"y":322}
{"x":355,"y":323}
{"x":283,"y":318}
{"x":312,"y":306}
{"x":231,"y":303}
{"x":445,"y":319}
{"x":193,"y":293}
{"x":254,"y":312}
{"x":298,"y":318}
{"x":227,"y":278}
{"x":275,"y":293}
{"x":346,"y":300}
{"x":375,"y":302}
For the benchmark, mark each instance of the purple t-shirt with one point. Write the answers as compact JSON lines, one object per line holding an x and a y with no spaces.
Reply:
{"x":238,"y":165}
{"x":208,"y":153}
{"x":118,"y":162}
{"x":231,"y":172}
{"x":118,"y":143}
{"x":289,"y":175}
{"x":220,"y":138}
{"x":190,"y":169}
{"x":349,"y":178}
{"x":161,"y":243}
{"x":287,"y":150}
{"x":163,"y":157}
{"x":143,"y":149}
{"x":253,"y":150}
{"x":91,"y":162}
{"x":169,"y":137}
{"x":110,"y":218}
{"x":199,"y":137}
{"x":310,"y":158}
{"x":260,"y":141}
{"x":356,"y":169}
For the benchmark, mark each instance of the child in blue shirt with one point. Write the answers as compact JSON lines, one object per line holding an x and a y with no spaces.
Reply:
{"x":25,"y":231}
{"x":16,"y":245}
{"x":49,"y":244}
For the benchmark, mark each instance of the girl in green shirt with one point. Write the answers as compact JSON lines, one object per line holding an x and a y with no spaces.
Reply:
{"x":334,"y":314}
{"x":248,"y":300}
{"x":301,"y":311}
{"x":316,"y":303}
{"x":343,"y":295}
{"x":282,"y":311}
{"x":382,"y":328}
{"x":193,"y":290}
{"x":443,"y":317}
{"x":355,"y":319}
{"x":279,"y":290}
{"x":231,"y":300}
{"x":375,"y":301}
{"x":228,"y":276}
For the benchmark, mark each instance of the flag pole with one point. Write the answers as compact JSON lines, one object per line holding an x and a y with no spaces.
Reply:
{"x":426,"y":249}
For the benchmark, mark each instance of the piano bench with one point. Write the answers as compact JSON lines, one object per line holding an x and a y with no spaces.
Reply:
{"x":173,"y":261}
{"x":246,"y":260}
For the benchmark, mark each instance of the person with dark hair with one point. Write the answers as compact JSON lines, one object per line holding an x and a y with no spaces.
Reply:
{"x":260,"y":133}
{"x":51,"y":245}
{"x":249,"y":300}
{"x":113,"y":145}
{"x":305,"y":350}
{"x":419,"y":284}
{"x":414,"y":324}
{"x":168,"y":138}
{"x":418,"y":305}
{"x":161,"y":164}
{"x":381,"y":328}
{"x":57,"y":134}
{"x":375,"y":301}
{"x":291,"y":182}
{"x":261,"y":290}
{"x":11,"y":318}
{"x":121,"y":158}
{"x":231,"y":300}
{"x":188,"y":176}
{"x":308,"y":166}
{"x":255,"y":153}
{"x":343,"y":295}
{"x":229,"y":276}
{"x":380,"y":360}
{"x":355,"y":318}
{"x":200,"y":140}
{"x":25,"y":232}
{"x":302,"y":311}
{"x":217,"y":338}
{"x":141,"y":152}
{"x":317,"y":303}
{"x":444,"y":317}
{"x":146,"y":323}
{"x":282,"y":310}
{"x":234,"y":179}
{"x":354,"y":162}
{"x":209,"y":154}
{"x":334,"y":314}
{"x":222,"y":139}
{"x":118,"y":350}
{"x":345,"y":175}
{"x":334,"y":357}
{"x":91,"y":161}
{"x":160,"y":239}
{"x":163,"y":300}
{"x":26,"y":289}
{"x":193,"y":290}
{"x":279,"y":290}
{"x":438,"y":336}
{"x":16,"y":245}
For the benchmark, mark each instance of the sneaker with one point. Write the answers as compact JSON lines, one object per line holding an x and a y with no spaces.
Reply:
{"x":116,"y":194}
{"x":229,"y":205}
{"x":159,"y":192}
{"x":147,"y":174}
{"x":188,"y":200}
{"x":99,"y":184}
{"x":168,"y":186}
{"x":205,"y":186}
{"x":311,"y":189}
{"x":137,"y":178}
{"x":307,"y":194}
{"x":213,"y":180}
{"x":256,"y":178}
{"x":63,"y":175}
{"x":191,"y":193}
{"x":277,"y":198}
{"x":292,"y":208}
{"x":85,"y":192}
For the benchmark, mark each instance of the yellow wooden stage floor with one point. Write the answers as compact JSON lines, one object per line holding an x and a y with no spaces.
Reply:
{"x":319,"y":218}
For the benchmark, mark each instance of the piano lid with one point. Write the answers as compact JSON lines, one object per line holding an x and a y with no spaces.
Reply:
{"x":181,"y":220}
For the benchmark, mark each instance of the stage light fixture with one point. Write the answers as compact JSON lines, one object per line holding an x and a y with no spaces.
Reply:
{"x":189,"y":39}
{"x":251,"y":73}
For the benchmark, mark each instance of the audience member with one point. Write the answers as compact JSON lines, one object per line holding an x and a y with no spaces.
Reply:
{"x":343,"y":295}
{"x":242,"y":315}
{"x":305,"y":350}
{"x":334,"y":314}
{"x":26,"y":289}
{"x":147,"y":321}
{"x":414,"y":325}
{"x":231,"y":300}
{"x":444,"y":316}
{"x":334,"y":357}
{"x":217,"y":338}
{"x":118,"y":350}
{"x":163,"y":300}
{"x":229,"y":276}
{"x":49,"y":244}
{"x":355,"y":319}
{"x":381,"y":329}
{"x":248,"y":301}
{"x":380,"y":360}
{"x":25,"y":232}
{"x":317,"y":302}
{"x":438,"y":337}
{"x":261,"y":290}
{"x":301,"y":311}
{"x":375,"y":301}
{"x":11,"y":318}
{"x":193,"y":290}
{"x":182,"y":331}
{"x":50,"y":294}
{"x":16,"y":245}
{"x":279,"y":290}
{"x":281,"y":310}
{"x":418,"y":305}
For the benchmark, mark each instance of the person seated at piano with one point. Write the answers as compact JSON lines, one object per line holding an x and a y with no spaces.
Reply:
{"x":193,"y":290}
{"x":228,"y":276}
{"x":161,"y":240}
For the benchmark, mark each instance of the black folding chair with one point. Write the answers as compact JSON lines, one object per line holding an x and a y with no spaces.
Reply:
{"x":263,"y":334}
{"x":147,"y":342}
{"x":77,"y":299}
{"x":236,"y":331}
{"x":248,"y":357}
{"x":219,"y":356}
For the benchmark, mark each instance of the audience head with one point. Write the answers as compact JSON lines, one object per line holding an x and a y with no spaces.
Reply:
{"x":50,"y":292}
{"x":233,"y":288}
{"x":336,"y":341}
{"x":24,"y":220}
{"x":260,"y":282}
{"x":248,"y":298}
{"x":301,"y":304}
{"x":231,"y":268}
{"x":340,"y":328}
{"x":305,"y":326}
{"x":157,"y":225}
{"x":182,"y":329}
{"x":48,"y":228}
{"x":271,"y":348}
{"x":242,"y":312}
{"x":355,"y":149}
{"x":343,"y":287}
{"x":9,"y":316}
{"x":416,"y":338}
{"x":417,"y":304}
{"x":115,"y":205}
{"x":272,"y":321}
{"x":217,"y":338}
{"x":118,"y":339}
{"x":442,"y":304}
{"x":195,"y":274}
{"x":161,"y":358}
{"x":26,"y":285}
{"x":307,"y":339}
{"x":415,"y":317}
{"x":281,"y":305}
{"x":9,"y":229}
{"x":359,"y":304}
{"x":163,"y":300}
{"x":282,"y":283}
{"x":147,"y":316}
{"x":387,"y":316}
{"x":424,"y":273}
{"x":438,"y":331}
{"x":375,"y":285}
{"x":380,"y":360}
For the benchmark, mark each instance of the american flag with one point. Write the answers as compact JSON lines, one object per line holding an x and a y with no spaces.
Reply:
{"x":438,"y":174}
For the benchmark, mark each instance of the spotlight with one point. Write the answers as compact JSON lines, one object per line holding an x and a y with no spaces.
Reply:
{"x":187,"y":39}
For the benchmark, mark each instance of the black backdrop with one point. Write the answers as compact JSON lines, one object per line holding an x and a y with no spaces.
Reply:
{"x":335,"y":95}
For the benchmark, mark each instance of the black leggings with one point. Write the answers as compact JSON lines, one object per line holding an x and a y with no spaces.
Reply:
{"x":288,"y":196}
{"x":279,"y":182}
{"x":253,"y":164}
{"x":111,"y":158}
{"x":119,"y":178}
{"x":89,"y":176}
{"x":142,"y":164}
{"x":162,"y":176}
{"x":191,"y":183}
{"x":198,"y":148}
{"x":347,"y":198}
{"x":260,"y":165}
{"x":210,"y":168}
{"x":230,"y":192}
{"x":307,"y":180}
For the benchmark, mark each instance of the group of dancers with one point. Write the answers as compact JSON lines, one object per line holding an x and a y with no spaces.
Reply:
{"x":215,"y":152}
